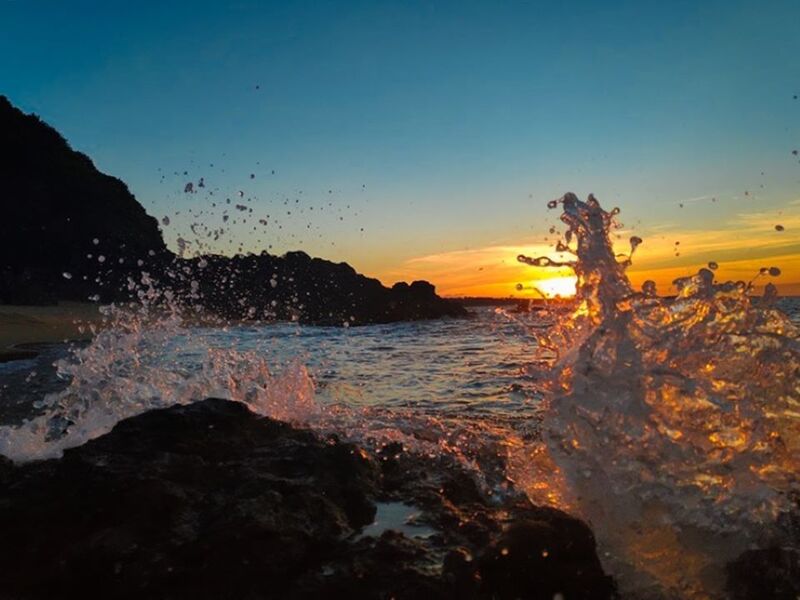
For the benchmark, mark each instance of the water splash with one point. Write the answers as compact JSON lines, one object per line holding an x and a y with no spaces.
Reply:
{"x":133,"y":365}
{"x":155,"y":353}
{"x":673,"y":425}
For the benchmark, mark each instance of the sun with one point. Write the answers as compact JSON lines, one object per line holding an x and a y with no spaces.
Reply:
{"x":557,"y":287}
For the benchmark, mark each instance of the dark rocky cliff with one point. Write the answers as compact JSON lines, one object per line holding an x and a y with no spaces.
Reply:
{"x":54,"y":203}
{"x":70,"y":232}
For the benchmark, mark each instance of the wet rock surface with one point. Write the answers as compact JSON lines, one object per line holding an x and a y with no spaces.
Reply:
{"x":771,"y":573}
{"x":212,"y":501}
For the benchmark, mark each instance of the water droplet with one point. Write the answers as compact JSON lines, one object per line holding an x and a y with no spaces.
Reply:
{"x":67,"y":275}
{"x":165,"y":220}
{"x":713,"y":265}
{"x":774,"y":271}
{"x":649,"y":288}
{"x":101,"y":259}
{"x":778,"y":227}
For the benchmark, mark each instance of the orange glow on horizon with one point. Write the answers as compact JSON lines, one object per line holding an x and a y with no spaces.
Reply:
{"x":750,"y":243}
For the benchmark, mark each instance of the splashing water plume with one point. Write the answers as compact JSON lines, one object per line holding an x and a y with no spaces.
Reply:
{"x":123,"y":373}
{"x":672,"y":425}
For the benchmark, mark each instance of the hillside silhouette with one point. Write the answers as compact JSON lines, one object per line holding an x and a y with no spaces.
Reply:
{"x":70,"y":232}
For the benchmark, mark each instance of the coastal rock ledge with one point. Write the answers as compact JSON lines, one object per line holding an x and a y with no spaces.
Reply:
{"x":210,"y":500}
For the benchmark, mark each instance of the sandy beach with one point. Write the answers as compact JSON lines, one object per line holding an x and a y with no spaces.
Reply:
{"x":24,"y":325}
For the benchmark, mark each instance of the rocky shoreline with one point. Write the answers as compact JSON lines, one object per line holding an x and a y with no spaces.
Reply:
{"x":212,"y":501}
{"x":209,"y":500}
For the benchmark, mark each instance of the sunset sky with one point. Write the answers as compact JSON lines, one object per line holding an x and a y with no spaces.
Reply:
{"x":424,"y":139}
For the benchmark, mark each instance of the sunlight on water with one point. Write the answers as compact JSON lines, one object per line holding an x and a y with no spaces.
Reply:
{"x":672,"y":425}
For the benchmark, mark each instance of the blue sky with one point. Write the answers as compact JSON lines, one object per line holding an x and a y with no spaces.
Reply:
{"x":423,"y":129}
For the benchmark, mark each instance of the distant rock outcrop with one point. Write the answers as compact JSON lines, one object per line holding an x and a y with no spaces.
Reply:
{"x":298,"y":287}
{"x":70,"y":232}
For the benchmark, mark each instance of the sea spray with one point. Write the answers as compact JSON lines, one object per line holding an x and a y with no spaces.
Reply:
{"x":155,"y":353}
{"x":672,"y":425}
{"x":132,"y":365}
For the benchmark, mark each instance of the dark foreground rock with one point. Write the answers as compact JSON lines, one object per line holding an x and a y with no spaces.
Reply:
{"x":211,"y":501}
{"x":772,"y":573}
{"x":70,"y":232}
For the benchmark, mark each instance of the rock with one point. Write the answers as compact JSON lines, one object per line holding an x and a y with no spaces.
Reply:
{"x":298,"y":287}
{"x":203,"y":501}
{"x":211,"y":501}
{"x":53,"y":204}
{"x":773,"y":573}
{"x":496,"y":547}
{"x":539,"y":558}
{"x":70,"y":232}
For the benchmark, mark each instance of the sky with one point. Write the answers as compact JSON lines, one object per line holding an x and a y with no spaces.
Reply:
{"x":424,"y":139}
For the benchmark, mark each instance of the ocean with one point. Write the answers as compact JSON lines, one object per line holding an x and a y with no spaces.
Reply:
{"x":480,"y":366}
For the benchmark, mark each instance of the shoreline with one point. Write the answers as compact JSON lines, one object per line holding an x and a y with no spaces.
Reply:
{"x":22,"y":328}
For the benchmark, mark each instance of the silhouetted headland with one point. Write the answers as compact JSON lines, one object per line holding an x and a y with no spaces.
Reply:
{"x":71,"y":233}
